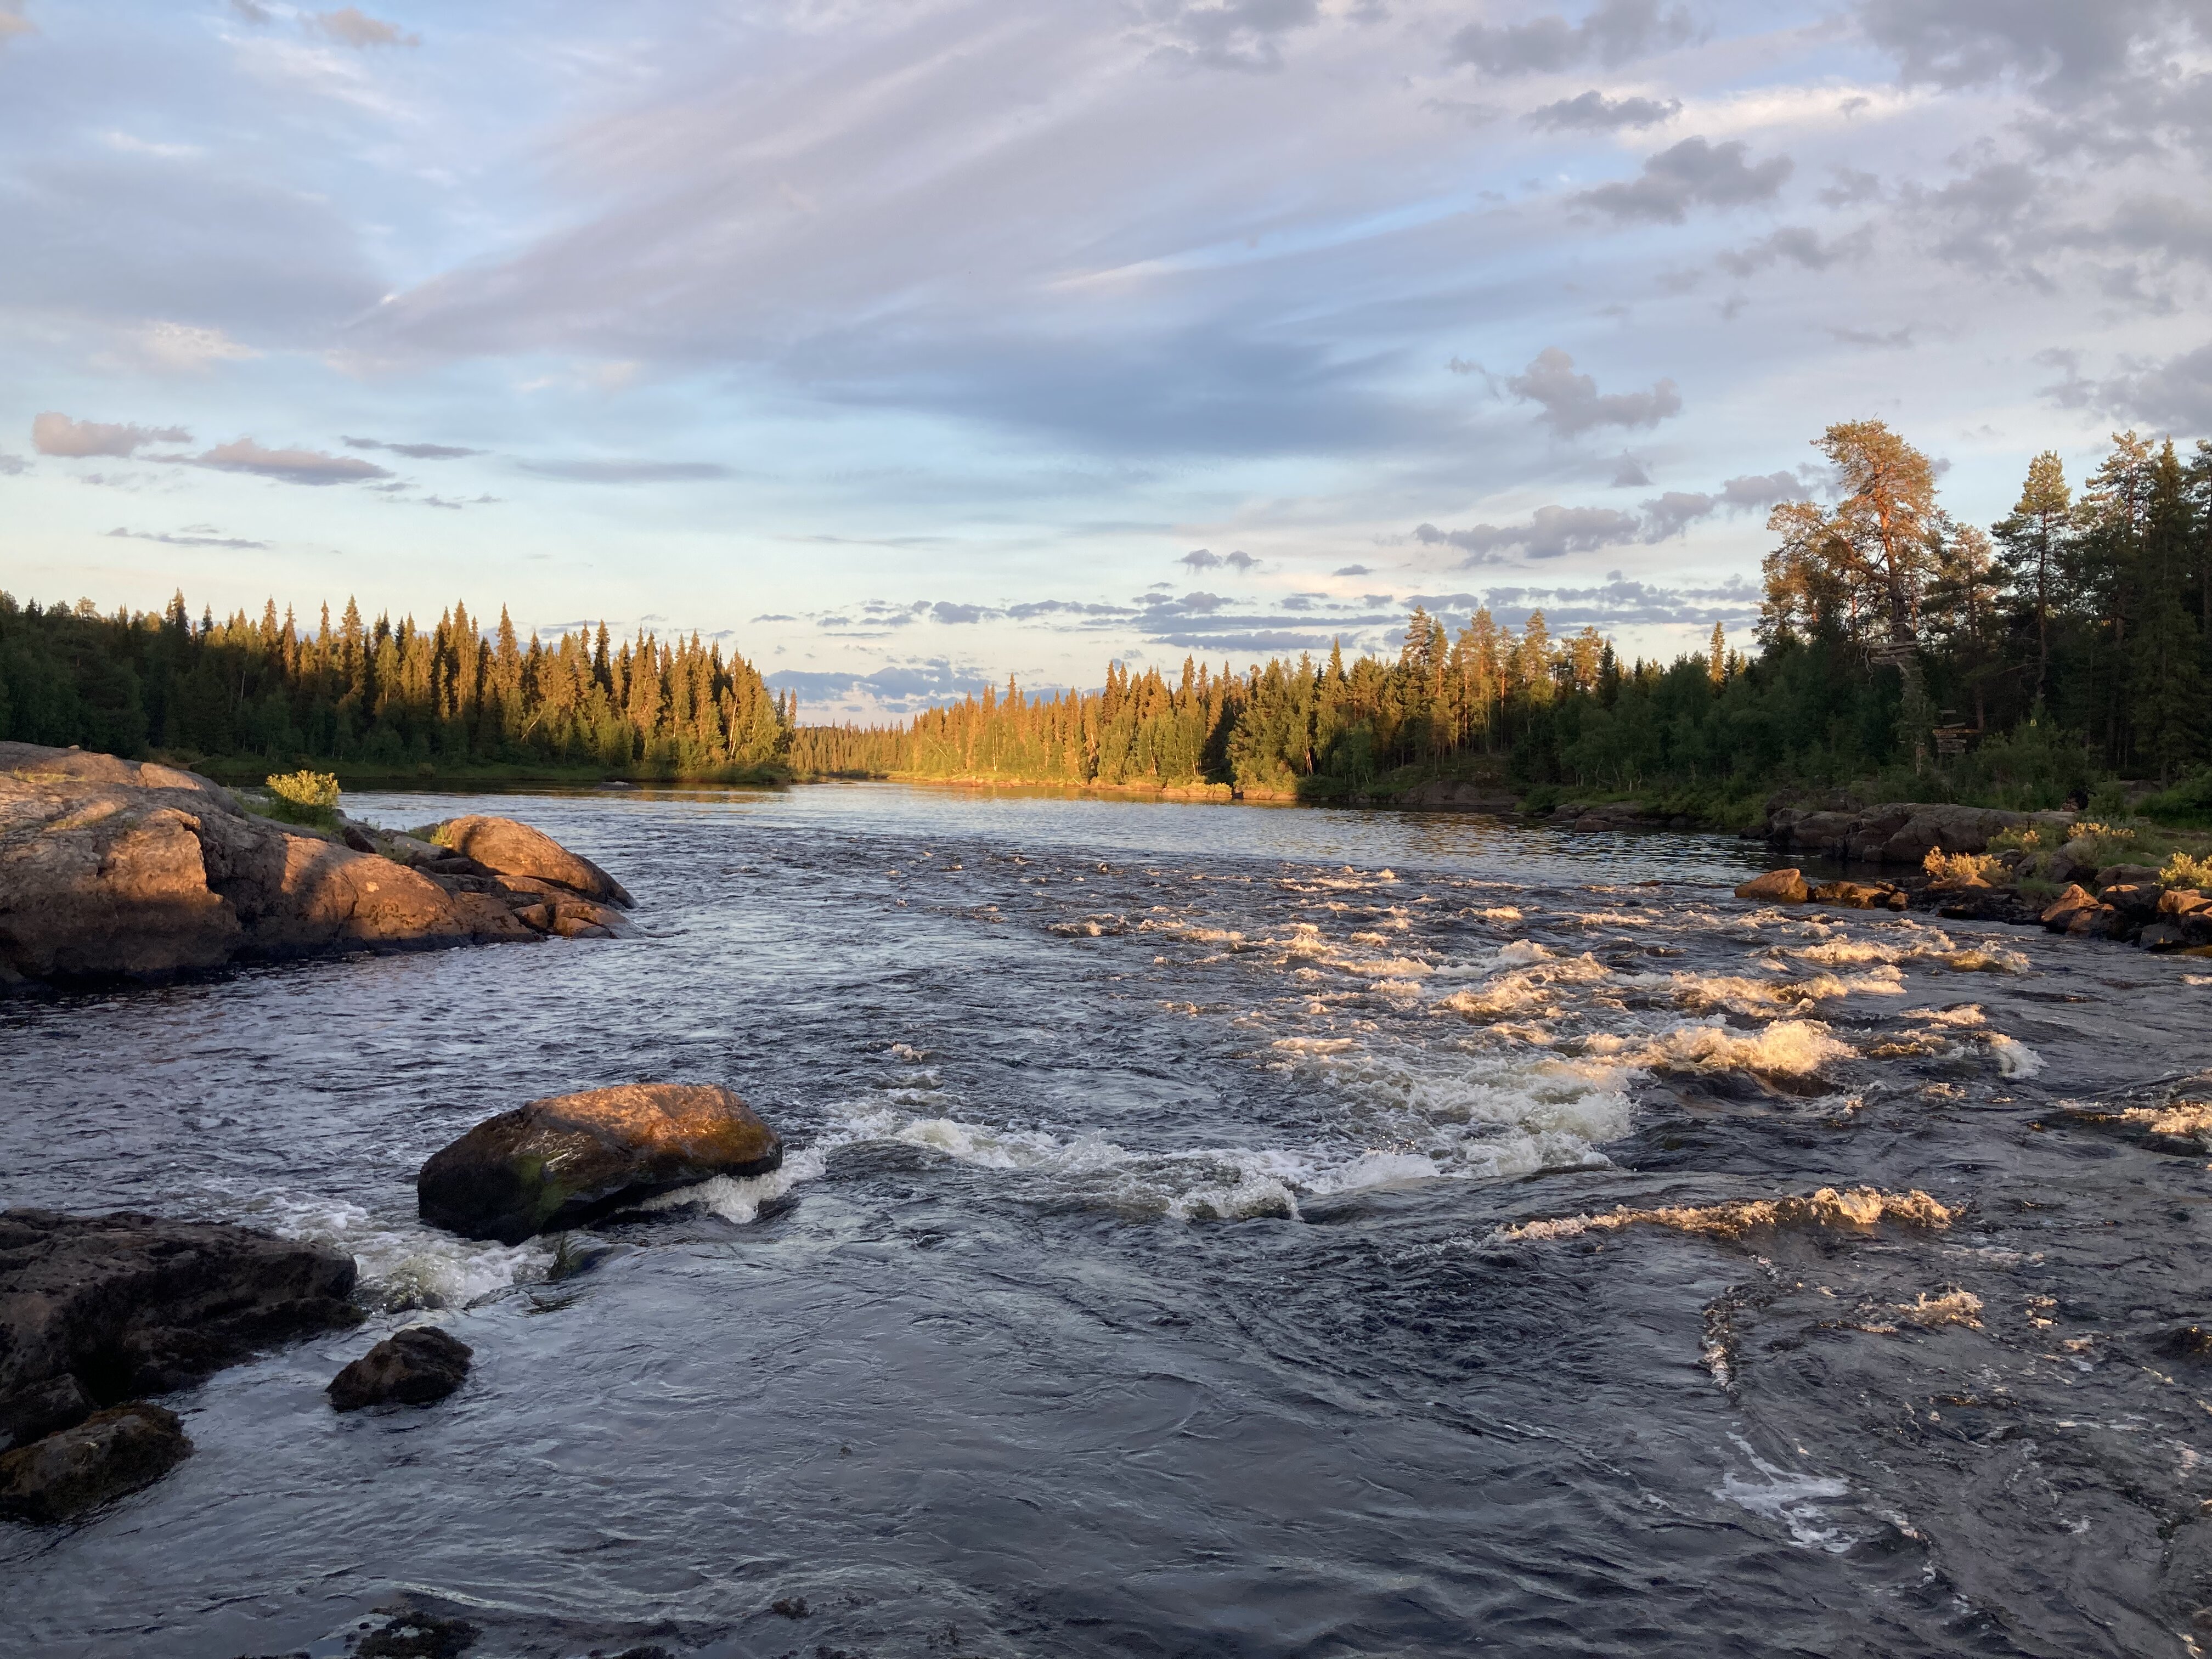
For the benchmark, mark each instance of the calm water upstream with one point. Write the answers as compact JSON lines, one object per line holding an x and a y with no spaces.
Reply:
{"x":1135,"y":1284}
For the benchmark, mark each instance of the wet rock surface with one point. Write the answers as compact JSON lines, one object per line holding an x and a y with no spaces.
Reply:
{"x":560,"y":1162}
{"x":62,"y":1474}
{"x":506,"y":848}
{"x":97,"y":1310}
{"x":412,"y":1367}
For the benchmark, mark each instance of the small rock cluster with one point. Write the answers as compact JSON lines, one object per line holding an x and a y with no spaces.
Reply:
{"x":95,"y":1310}
{"x":2130,"y":904}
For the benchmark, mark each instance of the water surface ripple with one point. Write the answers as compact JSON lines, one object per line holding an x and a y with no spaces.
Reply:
{"x":1137,"y":1283}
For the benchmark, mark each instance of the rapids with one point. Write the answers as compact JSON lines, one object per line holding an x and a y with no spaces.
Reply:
{"x":1150,"y":1273}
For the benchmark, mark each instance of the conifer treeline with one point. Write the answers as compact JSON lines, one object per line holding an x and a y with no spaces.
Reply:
{"x":383,"y":695}
{"x":2071,"y":640}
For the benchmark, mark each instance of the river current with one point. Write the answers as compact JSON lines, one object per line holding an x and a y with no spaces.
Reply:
{"x":1150,"y":1272}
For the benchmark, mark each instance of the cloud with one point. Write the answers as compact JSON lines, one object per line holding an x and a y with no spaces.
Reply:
{"x":1671,"y":514}
{"x":1616,"y":32}
{"x":2058,"y":44}
{"x":1231,"y":34}
{"x":1200,"y":559}
{"x":944,"y":611}
{"x":299,"y":466}
{"x":629,"y":472}
{"x":1572,"y":403}
{"x":350,"y":26}
{"x":1629,"y":473}
{"x":456,"y":505}
{"x":1755,"y":491}
{"x":180,"y":347}
{"x":2175,"y":395}
{"x":899,"y":688}
{"x":1691,"y":173}
{"x":13,"y":22}
{"x":1799,"y":245}
{"x":412,"y":452}
{"x":1353,"y":570}
{"x":1897,"y":339}
{"x":12,"y":465}
{"x":1594,"y":111}
{"x":1549,"y":533}
{"x":53,"y":433}
{"x":198,"y":535}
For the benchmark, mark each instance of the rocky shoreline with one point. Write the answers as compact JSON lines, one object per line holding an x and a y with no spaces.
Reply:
{"x":115,"y":869}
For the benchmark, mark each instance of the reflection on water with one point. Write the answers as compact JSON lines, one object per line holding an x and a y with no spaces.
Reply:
{"x":1143,"y":1280}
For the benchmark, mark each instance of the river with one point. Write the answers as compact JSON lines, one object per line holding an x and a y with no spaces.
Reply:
{"x":1142,"y":1279}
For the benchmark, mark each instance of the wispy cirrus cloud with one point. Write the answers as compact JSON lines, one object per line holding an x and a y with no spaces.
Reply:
{"x":192,"y":535}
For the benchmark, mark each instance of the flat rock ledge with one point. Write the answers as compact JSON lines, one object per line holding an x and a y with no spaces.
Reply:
{"x":570,"y":1159}
{"x":95,"y":1310}
{"x":115,"y":869}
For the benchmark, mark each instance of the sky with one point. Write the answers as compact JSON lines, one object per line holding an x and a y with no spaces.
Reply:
{"x":906,"y":346}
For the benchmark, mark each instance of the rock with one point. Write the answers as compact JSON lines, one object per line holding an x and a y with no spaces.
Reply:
{"x":2138,"y":900}
{"x":1858,"y":894}
{"x":2183,"y":901}
{"x":562,"y":1162}
{"x":110,"y":1453}
{"x":489,"y":919}
{"x":112,"y":868}
{"x":418,"y":1635}
{"x":411,"y":1367}
{"x":1459,"y":795}
{"x":2059,"y":915}
{"x":2130,"y":875}
{"x":2162,"y":936}
{"x":1777,"y":886}
{"x":574,"y":919}
{"x":508,"y":848}
{"x":1901,"y":832}
{"x":98,"y":1310}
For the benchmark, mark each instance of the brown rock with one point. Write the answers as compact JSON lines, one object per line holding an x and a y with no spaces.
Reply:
{"x":412,"y":1367}
{"x":508,"y":848}
{"x":109,"y":1453}
{"x":2183,"y":901}
{"x":488,"y":918}
{"x":1859,"y":895}
{"x":1777,"y":886}
{"x":110,"y":867}
{"x":97,"y":1310}
{"x":2059,"y":916}
{"x":562,"y":1162}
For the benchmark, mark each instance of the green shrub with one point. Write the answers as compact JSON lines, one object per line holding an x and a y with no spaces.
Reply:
{"x":303,"y":797}
{"x":2183,"y":871}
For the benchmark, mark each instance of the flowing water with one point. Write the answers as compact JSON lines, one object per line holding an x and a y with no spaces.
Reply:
{"x":1144,"y":1276}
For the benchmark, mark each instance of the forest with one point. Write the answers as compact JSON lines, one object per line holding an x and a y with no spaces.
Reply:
{"x":2057,"y":653}
{"x":382,"y":698}
{"x":2064,"y":647}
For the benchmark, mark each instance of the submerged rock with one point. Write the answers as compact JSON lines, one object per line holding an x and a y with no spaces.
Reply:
{"x":412,"y":1367}
{"x":561,"y":1162}
{"x":109,"y":1453}
{"x":1777,"y":887}
{"x":1860,"y":894}
{"x":508,"y":848}
{"x":97,"y":1310}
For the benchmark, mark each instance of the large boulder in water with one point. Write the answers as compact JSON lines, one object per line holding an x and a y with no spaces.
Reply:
{"x":508,"y":848}
{"x":113,"y":868}
{"x":107,"y":1454}
{"x":564,"y":1161}
{"x":95,"y":1309}
{"x":1777,"y":886}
